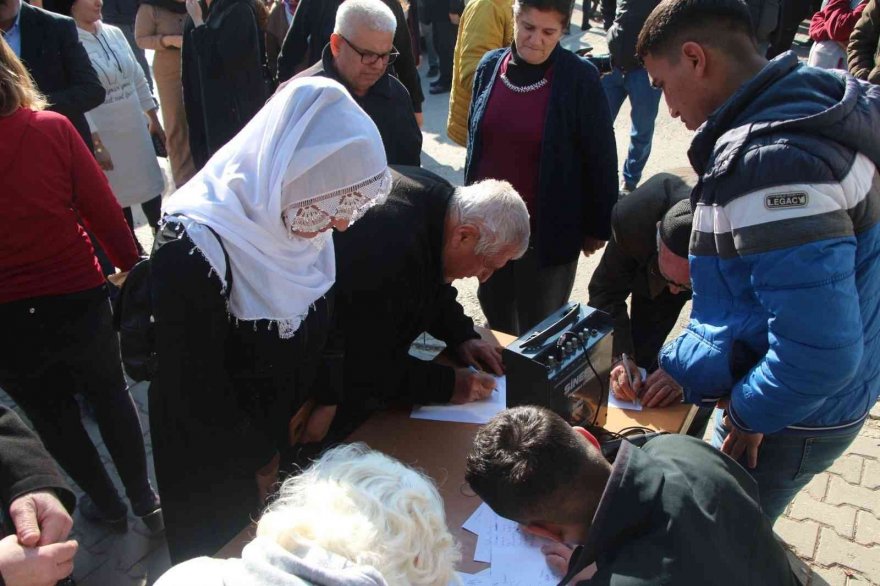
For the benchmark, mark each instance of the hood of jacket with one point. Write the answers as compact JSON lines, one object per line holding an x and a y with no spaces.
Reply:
{"x":788,"y":97}
{"x":265,"y":563}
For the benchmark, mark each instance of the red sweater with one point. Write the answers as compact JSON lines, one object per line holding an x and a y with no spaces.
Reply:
{"x":49,"y":182}
{"x":835,"y":22}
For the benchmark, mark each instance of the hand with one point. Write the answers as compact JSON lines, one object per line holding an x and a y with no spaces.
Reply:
{"x":37,"y":566}
{"x":481,"y":354}
{"x":155,"y":127}
{"x":318,"y":424}
{"x":102,"y":155}
{"x":118,"y":279}
{"x":195,"y":12}
{"x":661,"y":390}
{"x":267,"y":477}
{"x":471,"y":386}
{"x":558,"y":556}
{"x":454,"y":18}
{"x":420,"y":119}
{"x":620,"y":381}
{"x":591,"y":245}
{"x":739,"y":442}
{"x":40,"y":519}
{"x":175,"y":41}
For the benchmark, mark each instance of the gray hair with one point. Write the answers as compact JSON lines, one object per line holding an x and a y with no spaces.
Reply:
{"x":372,"y":14}
{"x":499,"y":213}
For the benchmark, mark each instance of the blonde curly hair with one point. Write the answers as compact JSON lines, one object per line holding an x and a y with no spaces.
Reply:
{"x":370,"y":509}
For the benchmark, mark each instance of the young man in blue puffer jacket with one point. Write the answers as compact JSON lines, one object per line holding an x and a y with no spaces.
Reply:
{"x":783,"y":253}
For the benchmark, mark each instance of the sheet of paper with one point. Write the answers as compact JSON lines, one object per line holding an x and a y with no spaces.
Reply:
{"x":517,"y":558}
{"x":480,"y":522}
{"x":483,"y":549}
{"x":483,"y":578}
{"x":628,"y":405}
{"x":476,"y":412}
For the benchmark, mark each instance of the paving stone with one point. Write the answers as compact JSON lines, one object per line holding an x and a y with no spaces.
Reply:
{"x":86,"y":563}
{"x":841,"y":492}
{"x":871,"y":474}
{"x":828,"y":577}
{"x":848,"y":467}
{"x":834,"y":549}
{"x":841,"y":518}
{"x":151,"y":568}
{"x":875,"y":411}
{"x":108,"y":575}
{"x":866,"y":445}
{"x":867,"y":529}
{"x":818,"y":486}
{"x":799,"y":535}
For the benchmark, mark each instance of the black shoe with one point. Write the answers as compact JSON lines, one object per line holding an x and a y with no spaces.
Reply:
{"x":117,"y":521}
{"x":433,"y":71}
{"x":436,"y":82}
{"x":150,"y":512}
{"x":440,"y":89}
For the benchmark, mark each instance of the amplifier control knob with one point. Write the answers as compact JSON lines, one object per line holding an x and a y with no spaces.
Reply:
{"x":569,"y":348}
{"x":551,"y":361}
{"x":594,"y":333}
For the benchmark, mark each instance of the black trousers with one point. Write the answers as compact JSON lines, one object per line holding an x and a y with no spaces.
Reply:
{"x":523,"y":293}
{"x":444,"y":33}
{"x":55,"y":347}
{"x":792,"y":13}
{"x":152,"y":210}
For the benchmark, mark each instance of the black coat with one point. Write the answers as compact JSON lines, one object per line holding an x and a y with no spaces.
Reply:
{"x":52,"y":53}
{"x":222,"y":73}
{"x":390,"y":289}
{"x":624,"y":33}
{"x":388,"y":105}
{"x":310,"y":32}
{"x":679,"y":512}
{"x":25,"y":465}
{"x":629,"y":267}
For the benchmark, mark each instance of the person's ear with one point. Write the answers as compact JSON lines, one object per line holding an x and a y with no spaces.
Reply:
{"x":335,"y":43}
{"x":545,"y":530}
{"x":466,"y":236}
{"x":588,"y":436}
{"x":695,"y":55}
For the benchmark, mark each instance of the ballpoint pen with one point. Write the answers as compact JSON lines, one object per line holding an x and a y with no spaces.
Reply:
{"x":624,"y":359}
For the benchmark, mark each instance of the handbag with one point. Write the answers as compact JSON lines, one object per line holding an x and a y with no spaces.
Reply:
{"x":133,"y":310}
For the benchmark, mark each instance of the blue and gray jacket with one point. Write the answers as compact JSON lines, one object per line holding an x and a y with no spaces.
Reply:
{"x":783,"y":254}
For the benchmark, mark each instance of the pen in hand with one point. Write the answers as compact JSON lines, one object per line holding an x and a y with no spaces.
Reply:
{"x":629,"y":379}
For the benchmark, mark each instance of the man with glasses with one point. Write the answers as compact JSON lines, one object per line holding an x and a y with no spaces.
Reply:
{"x":358,"y":55}
{"x":647,"y":257}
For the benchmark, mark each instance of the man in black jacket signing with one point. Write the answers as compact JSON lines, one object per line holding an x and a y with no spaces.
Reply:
{"x":49,"y":47}
{"x":675,"y":511}
{"x":647,"y":257}
{"x":394,"y":274}
{"x":36,"y":501}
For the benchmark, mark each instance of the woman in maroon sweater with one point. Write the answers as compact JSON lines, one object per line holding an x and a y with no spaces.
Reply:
{"x":57,"y":337}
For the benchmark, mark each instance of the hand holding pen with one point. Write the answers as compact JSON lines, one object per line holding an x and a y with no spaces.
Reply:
{"x":624,"y":385}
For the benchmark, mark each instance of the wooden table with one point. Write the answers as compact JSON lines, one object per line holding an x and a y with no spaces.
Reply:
{"x":439,"y":448}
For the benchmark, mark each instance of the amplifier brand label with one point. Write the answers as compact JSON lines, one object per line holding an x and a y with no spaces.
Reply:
{"x":575,"y":381}
{"x":784,"y":201}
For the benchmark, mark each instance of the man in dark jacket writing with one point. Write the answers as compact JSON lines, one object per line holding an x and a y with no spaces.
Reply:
{"x":394,"y":274}
{"x":674,"y":511}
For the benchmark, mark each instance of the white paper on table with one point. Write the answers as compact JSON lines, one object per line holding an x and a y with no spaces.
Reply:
{"x":483,"y":549}
{"x":476,"y":412}
{"x":480,"y":522}
{"x":517,"y":558}
{"x":479,"y":579}
{"x":628,"y":405}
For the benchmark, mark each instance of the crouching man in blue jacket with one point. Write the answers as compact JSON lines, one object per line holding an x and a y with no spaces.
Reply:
{"x":785,"y":328}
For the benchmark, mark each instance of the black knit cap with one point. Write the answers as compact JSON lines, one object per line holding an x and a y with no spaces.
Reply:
{"x":675,"y":228}
{"x":59,"y":6}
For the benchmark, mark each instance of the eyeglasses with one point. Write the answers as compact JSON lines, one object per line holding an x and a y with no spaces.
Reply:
{"x":370,"y":58}
{"x":658,"y":273}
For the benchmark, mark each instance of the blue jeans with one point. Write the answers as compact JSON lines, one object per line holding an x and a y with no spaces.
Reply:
{"x":644,"y":100}
{"x":786,"y":463}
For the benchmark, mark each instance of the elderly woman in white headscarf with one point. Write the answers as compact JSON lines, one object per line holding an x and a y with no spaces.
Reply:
{"x":242,"y":275}
{"x":355,"y":517}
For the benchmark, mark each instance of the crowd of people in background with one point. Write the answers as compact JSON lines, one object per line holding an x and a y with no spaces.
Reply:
{"x":303,"y":250}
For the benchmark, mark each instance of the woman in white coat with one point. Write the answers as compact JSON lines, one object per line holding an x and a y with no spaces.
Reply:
{"x":121,"y":133}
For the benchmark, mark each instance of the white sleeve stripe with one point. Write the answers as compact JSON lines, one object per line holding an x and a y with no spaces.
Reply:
{"x":783,"y":202}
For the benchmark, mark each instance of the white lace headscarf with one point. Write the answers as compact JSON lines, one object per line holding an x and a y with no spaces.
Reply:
{"x":309,"y":156}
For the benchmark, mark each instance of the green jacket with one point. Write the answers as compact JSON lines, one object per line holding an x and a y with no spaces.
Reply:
{"x":679,"y":512}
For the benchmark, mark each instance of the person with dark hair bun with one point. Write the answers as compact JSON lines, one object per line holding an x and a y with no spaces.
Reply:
{"x":539,"y":119}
